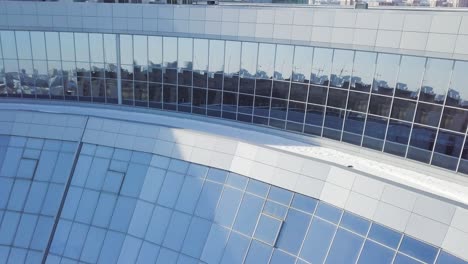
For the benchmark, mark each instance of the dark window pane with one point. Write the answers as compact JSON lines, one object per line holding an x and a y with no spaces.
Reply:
{"x":345,"y":248}
{"x":386,"y":73}
{"x":280,"y":89}
{"x":334,"y":118}
{"x":358,"y":101}
{"x":278,"y":109}
{"x":397,"y":137}
{"x":170,"y":76}
{"x":184,"y":98}
{"x":155,"y":95}
{"x":247,"y":85}
{"x":140,"y":72}
{"x":296,"y":112}
{"x":314,"y":115}
{"x":298,"y":92}
{"x":302,"y":65}
{"x":231,"y":82}
{"x":337,"y":98}
{"x":185,"y":77}
{"x":262,"y":106}
{"x":215,"y":81}
{"x":374,"y":133}
{"x":428,"y":114}
{"x":230,"y":102}
{"x":127,"y":92}
{"x":436,"y":80}
{"x":126,"y":72}
{"x":97,"y":70}
{"x":421,"y":144}
{"x":263,"y":87}
{"x":84,"y":87}
{"x":363,"y":69}
{"x":418,"y":249}
{"x":111,"y":91}
{"x":199,"y":101}
{"x":214,"y":101}
{"x":410,"y":76}
{"x":380,"y":105}
{"x":447,"y":150}
{"x":458,"y":92}
{"x":317,"y":95}
{"x":342,"y":68}
{"x":98,"y":87}
{"x":200,"y":79}
{"x":321,"y":66}
{"x":170,"y":97}
{"x":353,"y":127}
{"x":154,"y":74}
{"x":454,"y":119}
{"x":375,"y":253}
{"x":245,"y":104}
{"x":403,"y":109}
{"x":141,"y":93}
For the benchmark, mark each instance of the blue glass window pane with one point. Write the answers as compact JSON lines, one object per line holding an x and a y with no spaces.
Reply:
{"x":208,"y":200}
{"x":170,"y":189}
{"x":167,"y":256}
{"x":236,"y":248}
{"x":53,"y":199}
{"x":267,"y":229}
{"x":384,"y":235}
{"x":76,"y":240}
{"x":87,"y":205}
{"x":178,"y":166}
{"x":122,"y":214}
{"x":280,"y":257}
{"x":257,"y":187}
{"x":158,"y":224}
{"x":141,"y":157}
{"x":129,"y":251}
{"x":345,"y":247}
{"x":34,"y":257}
{"x":93,"y":244}
{"x":215,"y":244}
{"x":60,"y":237}
{"x":375,"y":253}
{"x":111,"y":247}
{"x":62,"y":167}
{"x":196,"y":170}
{"x":237,"y":181}
{"x":186,"y":260}
{"x":304,"y":203}
{"x":258,"y":253}
{"x":402,"y":259}
{"x":445,"y":258}
{"x":4,"y":251}
{"x":293,"y":231}
{"x":275,"y":209}
{"x":5,"y":187}
{"x":18,"y":195}
{"x":8,"y":227}
{"x":175,"y":233}
{"x":189,"y":194}
{"x":227,"y":207}
{"x":104,"y":209}
{"x":97,"y":173}
{"x":140,"y":219}
{"x":133,"y":180}
{"x":42,"y":232}
{"x":37,"y":192}
{"x":17,"y":255}
{"x":152,"y":184}
{"x":217,"y":175}
{"x":248,"y":214}
{"x":25,"y":230}
{"x":11,"y":161}
{"x":122,"y":154}
{"x":118,"y":166}
{"x":113,"y":181}
{"x":196,"y":237}
{"x":418,"y":249}
{"x":328,"y":212}
{"x":355,"y":223}
{"x":81,"y":170}
{"x":317,"y":241}
{"x":280,"y":195}
{"x":148,"y":253}
{"x":26,"y":168}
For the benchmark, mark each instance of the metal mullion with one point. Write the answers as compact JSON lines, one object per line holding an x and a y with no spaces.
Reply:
{"x":2,"y":60}
{"x":177,"y":76}
{"x":391,"y":105}
{"x":255,"y":83}
{"x":272,"y":82}
{"x":328,"y":91}
{"x":133,"y":68}
{"x":308,"y":89}
{"x":289,"y":92}
{"x":119,"y":66}
{"x":461,"y":151}
{"x":191,"y":87}
{"x":364,"y":242}
{"x":238,"y":82}
{"x":442,"y":112}
{"x":368,"y":102}
{"x":347,"y":99}
{"x":32,"y":62}
{"x":222,"y":80}
{"x":416,"y":109}
{"x":17,"y":60}
{"x":333,"y":238}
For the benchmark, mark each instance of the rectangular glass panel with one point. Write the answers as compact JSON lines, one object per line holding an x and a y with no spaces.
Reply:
{"x":185,"y":53}
{"x":386,"y":73}
{"x":342,"y":68}
{"x":302,"y":65}
{"x":126,"y":48}
{"x":410,"y":76}
{"x":140,"y":50}
{"x":170,"y":52}
{"x":67,"y":44}
{"x":216,"y":57}
{"x":397,"y":137}
{"x":321,"y":66}
{"x":8,"y":44}
{"x":38,"y":45}
{"x":96,"y":44}
{"x":436,"y":80}
{"x":266,"y":62}
{"x":447,"y":150}
{"x":345,"y":248}
{"x":317,"y":241}
{"x":283,"y":62}
{"x":23,"y":45}
{"x":82,"y":46}
{"x":53,"y":45}
{"x":363,"y":71}
{"x":249,"y":59}
{"x":458,"y":91}
{"x":155,"y":51}
{"x":110,"y":48}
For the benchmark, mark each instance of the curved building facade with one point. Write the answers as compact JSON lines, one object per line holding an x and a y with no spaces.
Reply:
{"x":136,"y":133}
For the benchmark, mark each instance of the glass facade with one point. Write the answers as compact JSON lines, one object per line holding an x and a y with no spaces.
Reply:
{"x":123,"y":206}
{"x":409,"y":106}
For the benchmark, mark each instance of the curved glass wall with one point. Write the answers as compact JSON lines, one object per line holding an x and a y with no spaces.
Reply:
{"x":413,"y":107}
{"x":133,"y":207}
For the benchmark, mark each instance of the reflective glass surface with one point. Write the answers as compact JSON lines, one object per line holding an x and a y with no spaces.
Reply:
{"x":345,"y":95}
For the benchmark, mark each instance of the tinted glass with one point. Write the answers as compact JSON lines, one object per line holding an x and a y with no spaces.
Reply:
{"x":386,"y":73}
{"x":140,"y":50}
{"x":23,"y":45}
{"x":232,"y":58}
{"x":458,"y":90}
{"x":447,"y":150}
{"x":342,"y":68}
{"x":321,"y":66}
{"x":38,"y":45}
{"x":67,"y":44}
{"x":363,"y":71}
{"x":249,"y":59}
{"x":216,"y":64}
{"x":155,"y":51}
{"x":82,"y":47}
{"x":410,"y":77}
{"x":266,"y":61}
{"x":283,"y":62}
{"x":53,"y":45}
{"x":170,"y":52}
{"x":302,"y":64}
{"x":436,"y":80}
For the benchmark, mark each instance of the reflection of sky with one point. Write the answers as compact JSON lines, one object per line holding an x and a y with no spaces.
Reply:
{"x":170,"y":51}
{"x":200,"y":58}
{"x":232,"y":57}
{"x":216,"y":56}
{"x":303,"y":61}
{"x":437,"y":75}
{"x":283,"y":62}
{"x":82,"y":47}
{"x":140,"y":50}
{"x":322,"y":61}
{"x":411,"y":70}
{"x":387,"y":68}
{"x":266,"y":62}
{"x":185,"y":53}
{"x":249,"y":57}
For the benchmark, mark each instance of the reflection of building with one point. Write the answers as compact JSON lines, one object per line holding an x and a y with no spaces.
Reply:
{"x":192,"y":134}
